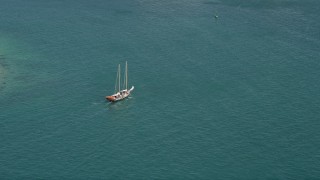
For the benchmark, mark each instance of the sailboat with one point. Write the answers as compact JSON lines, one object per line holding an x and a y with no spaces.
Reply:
{"x":118,"y":93}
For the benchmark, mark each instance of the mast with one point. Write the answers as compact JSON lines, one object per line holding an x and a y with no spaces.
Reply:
{"x":126,"y":75}
{"x":119,"y":77}
{"x":124,"y":79}
{"x":115,"y":87}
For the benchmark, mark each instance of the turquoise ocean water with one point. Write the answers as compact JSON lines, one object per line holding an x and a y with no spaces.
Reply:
{"x":237,"y":97}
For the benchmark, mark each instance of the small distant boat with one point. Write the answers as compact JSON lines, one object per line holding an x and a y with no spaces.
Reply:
{"x":118,"y":93}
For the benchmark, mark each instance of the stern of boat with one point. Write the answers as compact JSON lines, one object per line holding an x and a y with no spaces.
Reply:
{"x":111,"y":98}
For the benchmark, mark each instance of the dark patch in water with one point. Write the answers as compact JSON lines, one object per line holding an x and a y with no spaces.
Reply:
{"x":4,"y":66}
{"x":211,"y":2}
{"x":270,"y":4}
{"x":24,"y":78}
{"x":123,"y":11}
{"x":3,"y":62}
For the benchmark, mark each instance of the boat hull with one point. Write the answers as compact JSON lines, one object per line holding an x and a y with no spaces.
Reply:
{"x":120,"y":95}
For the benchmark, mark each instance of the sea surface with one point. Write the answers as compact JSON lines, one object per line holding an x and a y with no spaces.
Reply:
{"x":224,"y":89}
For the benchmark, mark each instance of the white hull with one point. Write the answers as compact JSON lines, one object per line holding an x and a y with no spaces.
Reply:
{"x":120,"y":95}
